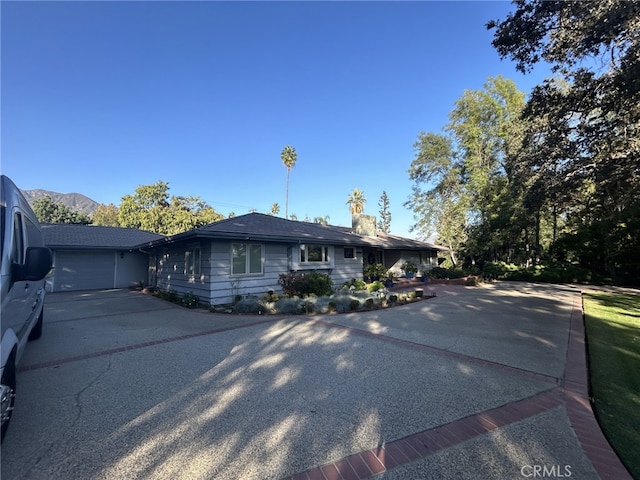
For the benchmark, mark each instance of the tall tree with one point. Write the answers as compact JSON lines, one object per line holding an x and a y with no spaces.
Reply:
{"x":150,"y":208}
{"x":441,"y":209}
{"x":275,"y":209}
{"x":105,"y":215}
{"x":587,"y":124}
{"x":356,"y":201}
{"x":384,"y":223}
{"x":289,"y":158}
{"x":461,"y":176}
{"x":47,"y":211}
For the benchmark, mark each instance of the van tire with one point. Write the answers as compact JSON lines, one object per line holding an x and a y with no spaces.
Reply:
{"x":9,"y":379}
{"x":36,"y":331}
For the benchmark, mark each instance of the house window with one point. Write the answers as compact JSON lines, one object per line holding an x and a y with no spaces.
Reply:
{"x":246,"y":259}
{"x":311,"y":256}
{"x":192,"y":261}
{"x":349,"y":252}
{"x":314,"y":254}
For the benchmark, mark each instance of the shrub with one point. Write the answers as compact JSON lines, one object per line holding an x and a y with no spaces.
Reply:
{"x":409,"y":267}
{"x":354,"y":305}
{"x":305,"y":284}
{"x":375,"y":286}
{"x":270,"y":297}
{"x":375,"y":272}
{"x":290,"y":283}
{"x":314,"y":283}
{"x":539,"y":273}
{"x":190,"y":300}
{"x":288,"y":305}
{"x":439,"y":272}
{"x":250,"y":305}
{"x":172,"y":296}
{"x":357,"y":284}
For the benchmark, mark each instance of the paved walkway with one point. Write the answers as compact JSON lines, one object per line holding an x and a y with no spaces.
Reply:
{"x":478,"y":382}
{"x":572,"y":392}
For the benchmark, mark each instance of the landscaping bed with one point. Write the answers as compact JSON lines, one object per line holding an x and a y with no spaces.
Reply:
{"x":341,"y":302}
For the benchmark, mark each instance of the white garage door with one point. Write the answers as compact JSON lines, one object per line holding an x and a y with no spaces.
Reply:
{"x":80,"y":270}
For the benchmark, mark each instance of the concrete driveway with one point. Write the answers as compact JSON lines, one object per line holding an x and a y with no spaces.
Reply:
{"x":478,"y":382}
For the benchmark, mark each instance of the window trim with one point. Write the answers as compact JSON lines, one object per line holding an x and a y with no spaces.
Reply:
{"x":247,"y":265}
{"x":190,"y":253}
{"x":297,"y":263}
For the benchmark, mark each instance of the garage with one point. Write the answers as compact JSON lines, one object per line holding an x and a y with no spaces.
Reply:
{"x":87,"y":257}
{"x":83,"y":270}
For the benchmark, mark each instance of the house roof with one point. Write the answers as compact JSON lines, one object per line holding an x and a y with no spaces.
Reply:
{"x":261,"y":227}
{"x":95,"y":237}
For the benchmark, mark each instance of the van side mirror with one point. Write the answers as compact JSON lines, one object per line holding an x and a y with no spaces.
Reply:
{"x":38,"y":262}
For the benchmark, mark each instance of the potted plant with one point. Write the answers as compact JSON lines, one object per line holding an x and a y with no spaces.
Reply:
{"x":388,"y":279}
{"x":409,"y":268}
{"x":374,"y":272}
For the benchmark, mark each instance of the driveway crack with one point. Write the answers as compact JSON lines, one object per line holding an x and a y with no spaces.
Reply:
{"x":79,"y":410}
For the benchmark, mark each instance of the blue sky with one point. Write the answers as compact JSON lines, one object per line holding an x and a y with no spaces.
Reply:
{"x":101,"y":97}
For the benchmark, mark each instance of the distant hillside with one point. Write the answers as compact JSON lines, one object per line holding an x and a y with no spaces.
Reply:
{"x":75,"y":201}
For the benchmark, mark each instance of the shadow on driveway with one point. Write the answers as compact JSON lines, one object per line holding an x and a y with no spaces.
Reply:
{"x":127,"y":386}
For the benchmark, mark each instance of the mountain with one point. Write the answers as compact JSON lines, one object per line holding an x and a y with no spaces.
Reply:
{"x":75,"y":201}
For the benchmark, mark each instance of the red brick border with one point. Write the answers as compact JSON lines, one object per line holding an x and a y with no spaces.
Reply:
{"x":419,"y":445}
{"x":576,"y":395}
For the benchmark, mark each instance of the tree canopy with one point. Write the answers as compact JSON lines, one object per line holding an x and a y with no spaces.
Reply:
{"x":48,"y":211}
{"x":106,"y":215}
{"x":460,"y":177}
{"x":554,"y":180}
{"x":289,"y":158}
{"x":150,"y":208}
{"x":579,"y":160}
{"x":384,"y":223}
{"x":356,"y":201}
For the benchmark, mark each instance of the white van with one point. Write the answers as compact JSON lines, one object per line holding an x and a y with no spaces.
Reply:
{"x":24,"y":262}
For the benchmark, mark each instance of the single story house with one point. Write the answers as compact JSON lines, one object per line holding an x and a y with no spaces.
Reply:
{"x":87,"y":257}
{"x":245,"y":255}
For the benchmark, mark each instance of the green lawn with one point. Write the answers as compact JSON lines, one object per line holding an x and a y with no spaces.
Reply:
{"x":613,"y":336}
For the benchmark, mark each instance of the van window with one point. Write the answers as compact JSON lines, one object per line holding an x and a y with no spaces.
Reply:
{"x":34,"y":237}
{"x":18,"y":240}
{"x":2,"y":213}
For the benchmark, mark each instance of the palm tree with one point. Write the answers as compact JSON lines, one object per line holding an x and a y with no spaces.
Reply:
{"x":356,"y":201}
{"x":289,"y":157}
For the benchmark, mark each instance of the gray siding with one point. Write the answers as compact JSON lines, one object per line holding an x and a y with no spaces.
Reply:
{"x":170,"y":270}
{"x":346,"y":268}
{"x":131,"y":269}
{"x":218,"y":286}
{"x":224,"y":286}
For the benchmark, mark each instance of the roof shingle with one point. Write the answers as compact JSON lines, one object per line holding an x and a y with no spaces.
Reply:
{"x":90,"y":236}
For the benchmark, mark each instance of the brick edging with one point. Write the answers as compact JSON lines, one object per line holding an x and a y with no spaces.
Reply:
{"x":406,"y":450}
{"x":579,"y":410}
